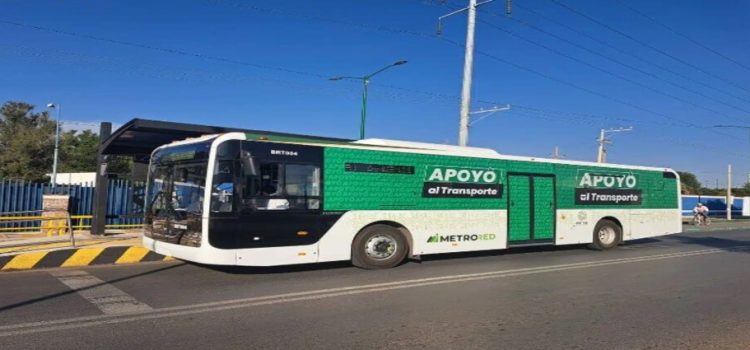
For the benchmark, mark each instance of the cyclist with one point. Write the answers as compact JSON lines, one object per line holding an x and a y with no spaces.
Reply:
{"x":700,"y":212}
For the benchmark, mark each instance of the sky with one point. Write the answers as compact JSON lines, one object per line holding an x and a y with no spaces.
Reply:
{"x":669,"y":69}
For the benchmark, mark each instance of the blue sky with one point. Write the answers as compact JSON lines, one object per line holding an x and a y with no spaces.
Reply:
{"x":264,"y":65}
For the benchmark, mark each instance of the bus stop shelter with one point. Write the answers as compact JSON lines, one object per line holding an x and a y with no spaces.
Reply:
{"x":138,"y":138}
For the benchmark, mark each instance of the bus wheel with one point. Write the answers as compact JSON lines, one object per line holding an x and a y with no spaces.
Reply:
{"x":378,"y":246}
{"x":607,"y":235}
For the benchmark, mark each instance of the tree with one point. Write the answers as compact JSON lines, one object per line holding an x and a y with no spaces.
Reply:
{"x":26,"y":142}
{"x":120,"y":166}
{"x":78,"y":151}
{"x":689,"y":182}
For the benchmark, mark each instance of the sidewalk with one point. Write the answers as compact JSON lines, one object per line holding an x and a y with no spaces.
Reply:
{"x":35,"y":251}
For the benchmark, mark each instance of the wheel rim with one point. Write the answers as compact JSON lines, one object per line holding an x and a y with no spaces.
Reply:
{"x":381,"y":246}
{"x":607,"y":235}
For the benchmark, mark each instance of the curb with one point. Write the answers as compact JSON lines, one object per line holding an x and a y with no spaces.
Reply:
{"x":79,"y":257}
{"x":693,"y":228}
{"x":715,"y":229}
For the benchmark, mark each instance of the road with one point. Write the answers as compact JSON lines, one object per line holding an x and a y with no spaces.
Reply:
{"x":678,"y":292}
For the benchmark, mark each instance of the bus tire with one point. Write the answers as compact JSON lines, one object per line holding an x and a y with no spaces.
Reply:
{"x":379,"y":246}
{"x":607,"y":235}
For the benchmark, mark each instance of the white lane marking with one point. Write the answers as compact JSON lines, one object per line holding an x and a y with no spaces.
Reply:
{"x":176,"y":311}
{"x":105,"y":296}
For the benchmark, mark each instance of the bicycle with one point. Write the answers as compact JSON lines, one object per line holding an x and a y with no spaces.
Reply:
{"x":700,"y":219}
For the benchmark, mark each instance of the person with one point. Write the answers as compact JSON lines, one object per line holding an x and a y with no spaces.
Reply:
{"x":272,"y":196}
{"x":701,"y":212}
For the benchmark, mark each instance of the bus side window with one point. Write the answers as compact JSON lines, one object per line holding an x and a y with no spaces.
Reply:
{"x":302,"y":182}
{"x":279,"y":186}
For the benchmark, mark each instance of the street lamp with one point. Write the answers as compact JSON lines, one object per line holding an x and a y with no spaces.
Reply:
{"x":366,"y":81}
{"x":57,"y":143}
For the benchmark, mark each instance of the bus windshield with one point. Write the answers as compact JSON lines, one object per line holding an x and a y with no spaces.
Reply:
{"x":177,"y":177}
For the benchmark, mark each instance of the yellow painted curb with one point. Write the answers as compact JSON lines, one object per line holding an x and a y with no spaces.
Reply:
{"x":132,"y":255}
{"x":83,"y":257}
{"x":24,"y":261}
{"x":79,"y":257}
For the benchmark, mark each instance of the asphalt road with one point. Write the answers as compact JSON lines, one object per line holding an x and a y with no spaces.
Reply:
{"x":678,"y":292}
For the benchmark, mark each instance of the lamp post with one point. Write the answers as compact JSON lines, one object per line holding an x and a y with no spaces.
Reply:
{"x":57,"y":143}
{"x":365,"y":82}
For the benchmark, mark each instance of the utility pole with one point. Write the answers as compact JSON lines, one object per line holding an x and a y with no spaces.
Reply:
{"x":487,"y":112}
{"x":556,"y":153}
{"x":57,"y":143}
{"x":602,"y":140}
{"x":463,"y":122}
{"x":729,"y":192}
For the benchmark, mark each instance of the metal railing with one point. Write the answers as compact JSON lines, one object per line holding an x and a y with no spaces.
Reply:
{"x":55,"y":216}
{"x":80,"y":226}
{"x":122,"y":209}
{"x":78,"y":219}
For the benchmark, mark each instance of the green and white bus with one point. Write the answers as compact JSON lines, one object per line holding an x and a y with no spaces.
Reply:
{"x":259,"y":200}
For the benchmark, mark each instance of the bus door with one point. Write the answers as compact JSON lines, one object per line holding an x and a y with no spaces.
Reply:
{"x":531,"y":208}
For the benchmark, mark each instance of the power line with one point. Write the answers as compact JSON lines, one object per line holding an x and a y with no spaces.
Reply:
{"x":695,"y":42}
{"x":605,"y":71}
{"x":618,"y":62}
{"x":588,"y":116}
{"x":614,"y":30}
{"x":578,"y":87}
{"x":169,"y":72}
{"x":621,"y":63}
{"x":287,"y":13}
{"x":630,"y":54}
{"x":563,"y":117}
{"x":221,"y":59}
{"x":156,"y":48}
{"x":562,"y":81}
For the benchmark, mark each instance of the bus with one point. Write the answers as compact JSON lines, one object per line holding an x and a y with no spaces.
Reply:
{"x":258,"y":200}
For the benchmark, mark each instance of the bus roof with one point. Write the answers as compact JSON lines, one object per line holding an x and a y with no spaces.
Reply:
{"x":413,"y":147}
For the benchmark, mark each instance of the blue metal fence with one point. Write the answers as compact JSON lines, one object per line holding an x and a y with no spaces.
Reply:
{"x":20,"y":196}
{"x":717,"y":205}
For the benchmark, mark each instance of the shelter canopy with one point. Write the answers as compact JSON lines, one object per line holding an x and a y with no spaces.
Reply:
{"x":139,"y":137}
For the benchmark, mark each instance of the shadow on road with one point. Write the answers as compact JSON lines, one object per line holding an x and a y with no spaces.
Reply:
{"x":711,"y":242}
{"x":641,"y":241}
{"x":241,"y":270}
{"x":510,"y":252}
{"x":263,"y":270}
{"x":56,"y":295}
{"x":730,"y":245}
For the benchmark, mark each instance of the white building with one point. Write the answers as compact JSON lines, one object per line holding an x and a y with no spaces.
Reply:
{"x":75,"y":178}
